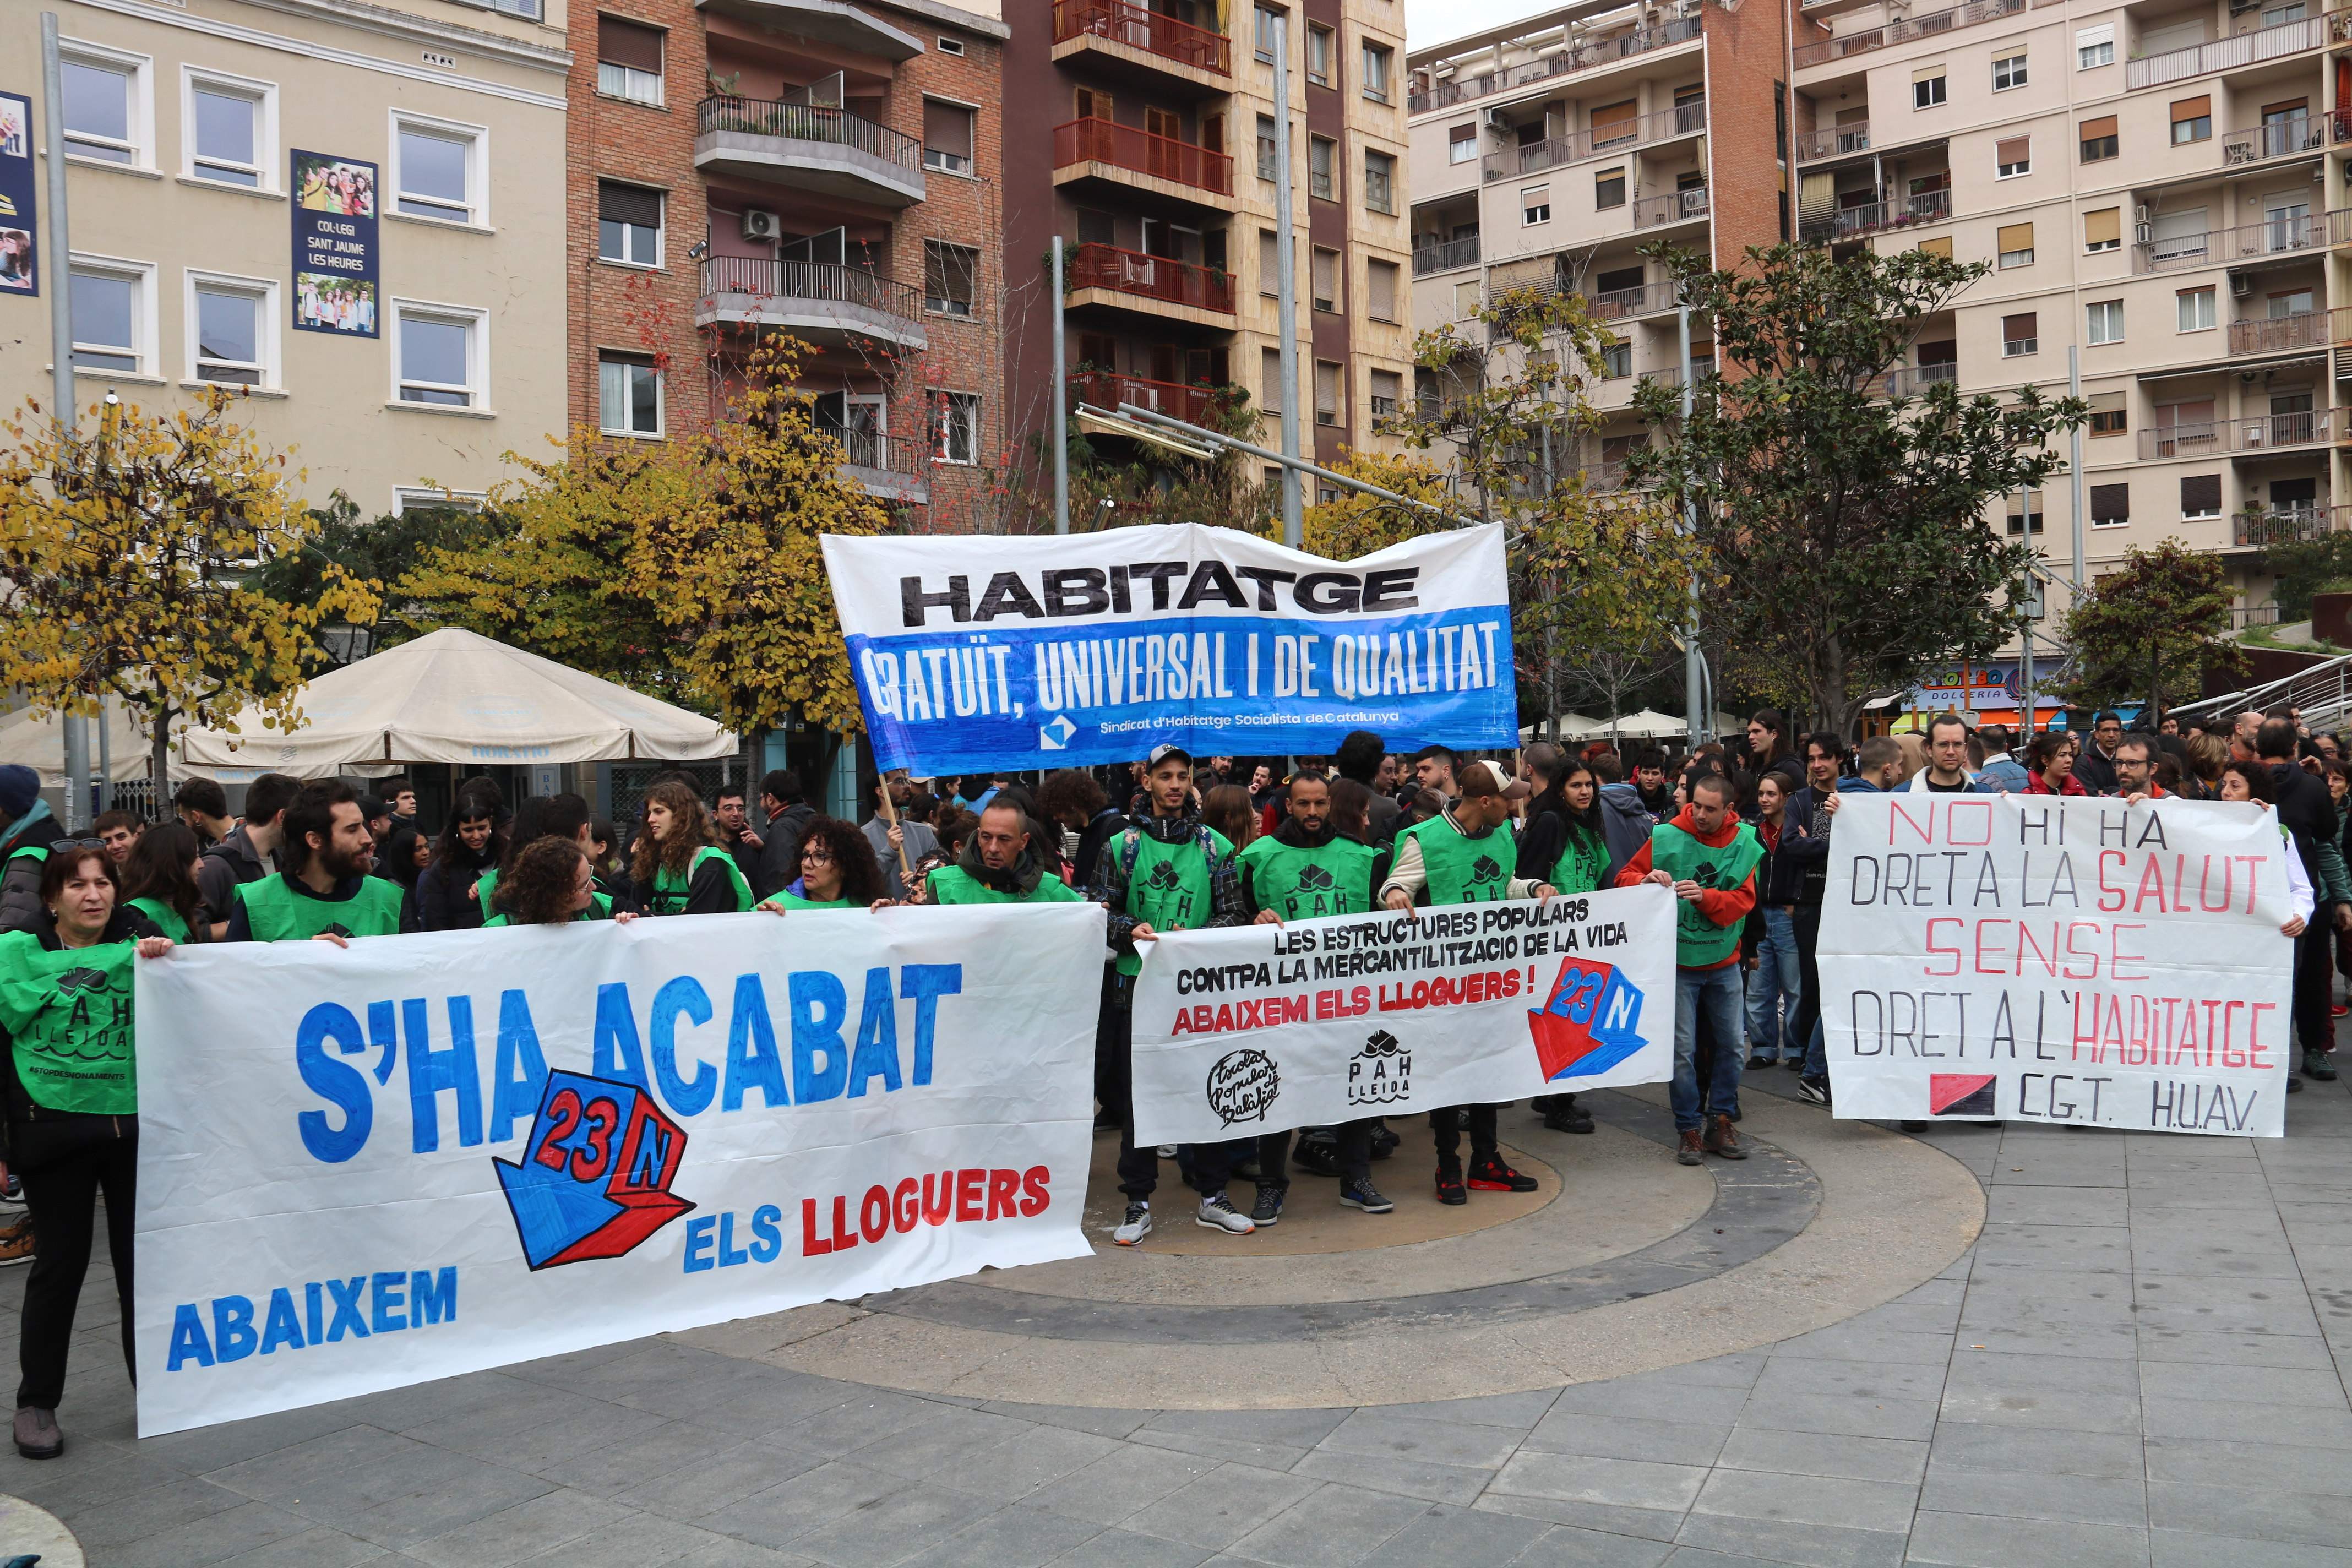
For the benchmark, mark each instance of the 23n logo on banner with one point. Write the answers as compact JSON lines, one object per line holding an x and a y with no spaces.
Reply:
{"x":1588,"y":1024}
{"x":593,"y":1180}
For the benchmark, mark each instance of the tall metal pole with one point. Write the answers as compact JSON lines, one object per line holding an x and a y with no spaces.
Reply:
{"x":2075,"y":389}
{"x":1694,"y":661}
{"x":1061,"y":403}
{"x":1294,"y":528}
{"x":60,"y":282}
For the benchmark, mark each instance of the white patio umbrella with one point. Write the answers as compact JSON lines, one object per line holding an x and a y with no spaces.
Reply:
{"x":40,"y":744}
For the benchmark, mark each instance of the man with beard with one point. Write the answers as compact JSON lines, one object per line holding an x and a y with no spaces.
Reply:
{"x":1303,"y":868}
{"x":999,"y":866}
{"x":324,"y":889}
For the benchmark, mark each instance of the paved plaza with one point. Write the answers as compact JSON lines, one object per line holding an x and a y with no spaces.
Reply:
{"x":1823,"y":1361}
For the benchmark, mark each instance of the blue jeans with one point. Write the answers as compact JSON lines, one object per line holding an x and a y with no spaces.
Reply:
{"x":1719,"y":990}
{"x":1777,"y":983}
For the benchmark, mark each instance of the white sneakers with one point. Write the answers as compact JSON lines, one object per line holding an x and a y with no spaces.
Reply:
{"x":1218,"y":1212}
{"x":1135,"y":1227}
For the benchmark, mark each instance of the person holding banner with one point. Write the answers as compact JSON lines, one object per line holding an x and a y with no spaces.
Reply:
{"x":1708,"y":857}
{"x":72,"y":1096}
{"x":679,"y":869}
{"x":999,"y":865}
{"x":1460,"y":857}
{"x":159,"y":881}
{"x":550,"y":883}
{"x":832,"y":869}
{"x":325,"y":891}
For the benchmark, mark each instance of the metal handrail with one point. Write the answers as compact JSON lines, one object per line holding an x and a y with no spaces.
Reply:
{"x":1616,"y":304}
{"x":2286,"y":525}
{"x":1445,"y":256}
{"x":2268,"y":334}
{"x":1847,"y":223}
{"x":2322,"y":691}
{"x":1579,"y":58}
{"x":2225,"y":53}
{"x":808,"y":122}
{"x":2272,"y":236}
{"x":1833,"y":141}
{"x":1141,"y":27}
{"x":2277,"y":139}
{"x":1671,"y":206}
{"x":1097,"y":265}
{"x":826,"y":281}
{"x":872,"y":449}
{"x":1904,"y":30}
{"x":1098,"y":140}
{"x":1108,"y":389}
{"x":2253,"y":433}
{"x":1534,"y":157}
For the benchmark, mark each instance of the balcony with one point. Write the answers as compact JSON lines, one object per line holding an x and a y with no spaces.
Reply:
{"x":1083,"y":148}
{"x":1584,"y":57}
{"x":2258,"y":526}
{"x":2277,"y":334}
{"x":2278,"y":139}
{"x":1446,"y":255}
{"x":1137,"y":36}
{"x":1911,"y":380}
{"x":1621,"y":304}
{"x":811,"y":147}
{"x":1132,"y":273}
{"x":1618,"y":136}
{"x":823,"y":303}
{"x":2221,"y":247}
{"x":1671,"y":206}
{"x":1876,"y":218}
{"x":891,"y":468}
{"x":1105,"y":389}
{"x":2225,"y":53}
{"x":2256,"y":433}
{"x":832,"y":22}
{"x":1933,"y":25}
{"x":1834,"y":141}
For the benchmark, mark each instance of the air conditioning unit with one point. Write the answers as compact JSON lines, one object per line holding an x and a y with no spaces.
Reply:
{"x":2145,"y":233}
{"x":2140,"y":215}
{"x":1498,"y":123}
{"x":761,"y":223}
{"x":2241,"y":284}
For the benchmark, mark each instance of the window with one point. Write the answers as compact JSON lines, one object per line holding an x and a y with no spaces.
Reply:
{"x":2094,"y":46}
{"x":1327,"y":393}
{"x":1326,"y":279}
{"x":2110,"y":505}
{"x":230,"y":127}
{"x":1321,"y":157}
{"x":1269,"y":378}
{"x":1608,"y":189}
{"x":1380,"y":291}
{"x":113,"y":316}
{"x":2015,"y":244}
{"x":2099,"y":137}
{"x":947,"y":136}
{"x":2019,"y":335}
{"x":1613,"y":124}
{"x":628,"y":224}
{"x":1266,"y":147}
{"x":2104,"y":321}
{"x":1535,"y":204}
{"x":1462,"y":143}
{"x":432,"y":498}
{"x":1387,"y":388}
{"x":1319,"y":55}
{"x":1377,"y":59}
{"x":2008,"y":72}
{"x":1927,"y":86}
{"x":2103,"y":230}
{"x":1379,"y":181}
{"x":2193,"y":120}
{"x":628,"y":396}
{"x":232,"y":330}
{"x":1269,"y":263}
{"x":2107,"y":415}
{"x":2025,"y":512}
{"x":2201,"y":495}
{"x":956,"y":417}
{"x":2012,"y":156}
{"x":438,"y":355}
{"x":2196,"y":306}
{"x":1939,"y":246}
{"x":1268,"y":24}
{"x":1616,"y":359}
{"x":628,"y":61}
{"x":104,"y":95}
{"x":436,"y":172}
{"x":950,"y":275}
{"x":951,"y":46}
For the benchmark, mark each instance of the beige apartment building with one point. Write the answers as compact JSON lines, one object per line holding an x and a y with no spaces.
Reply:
{"x":351,"y":215}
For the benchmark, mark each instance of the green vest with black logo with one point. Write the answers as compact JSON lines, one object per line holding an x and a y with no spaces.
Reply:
{"x":1583,"y":862}
{"x":1299,"y":883}
{"x":483,"y":887}
{"x":274,"y":911}
{"x":69,"y":1013}
{"x":167,"y":919}
{"x":671,"y":890}
{"x":1169,"y":886}
{"x":1699,"y":943}
{"x":954,"y":885}
{"x":600,"y":908}
{"x":1462,"y":870}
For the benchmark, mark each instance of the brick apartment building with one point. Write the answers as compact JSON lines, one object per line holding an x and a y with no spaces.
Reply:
{"x":825,"y":170}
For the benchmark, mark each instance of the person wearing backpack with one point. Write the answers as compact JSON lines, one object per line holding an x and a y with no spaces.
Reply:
{"x":248,"y":852}
{"x":679,"y":869}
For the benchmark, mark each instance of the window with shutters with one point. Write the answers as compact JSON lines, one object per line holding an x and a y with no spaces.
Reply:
{"x":1326,"y":279}
{"x":1379,"y":181}
{"x":628,"y":61}
{"x":2201,"y":495}
{"x":1462,"y":143}
{"x":628,"y":224}
{"x":1265,"y":170}
{"x":948,"y":136}
{"x":1381,"y":289}
{"x":1327,"y":393}
{"x":2007,"y":72}
{"x":2193,"y":120}
{"x":2016,"y":245}
{"x":2110,"y":505}
{"x":2025,"y":513}
{"x":2108,"y":417}
{"x":2019,"y":335}
{"x":1927,"y":86}
{"x":1269,"y":380}
{"x":2102,"y":321}
{"x":950,"y":277}
{"x":1942,"y":247}
{"x":1387,"y":386}
{"x":1608,"y":189}
{"x":1322,"y":156}
{"x":1616,"y":123}
{"x":2103,"y":230}
{"x":2094,"y":46}
{"x":2197,"y":310}
{"x":2012,"y":156}
{"x":2099,"y":139}
{"x":1269,"y":263}
{"x":1535,"y":204}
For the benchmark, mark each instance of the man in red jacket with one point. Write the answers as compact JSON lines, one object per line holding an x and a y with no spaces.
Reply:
{"x":1708,"y":857}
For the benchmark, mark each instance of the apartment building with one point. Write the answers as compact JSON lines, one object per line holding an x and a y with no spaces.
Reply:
{"x":332,"y":210}
{"x":828,"y":171}
{"x":1144,"y":137}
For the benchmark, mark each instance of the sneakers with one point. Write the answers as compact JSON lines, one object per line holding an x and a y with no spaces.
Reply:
{"x":1794,"y":1063}
{"x":1267,"y":1210}
{"x":1166,"y":1151}
{"x":1721,"y":1141}
{"x":1449,"y":1187}
{"x":1217,"y":1213}
{"x":1135,"y":1227}
{"x":2317,"y":1065}
{"x":2337,"y":1010}
{"x":1813,"y":1090}
{"x":1691,"y":1152}
{"x":1317,"y":1152}
{"x":1363,"y":1196}
{"x":1761,"y":1060}
{"x":1493,"y":1174}
{"x":37,"y":1436}
{"x":1384,"y":1142}
{"x":1564,"y":1115}
{"x":16,"y":1243}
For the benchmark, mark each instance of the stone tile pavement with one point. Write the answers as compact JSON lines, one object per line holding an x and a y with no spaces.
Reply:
{"x":2138,"y":1364}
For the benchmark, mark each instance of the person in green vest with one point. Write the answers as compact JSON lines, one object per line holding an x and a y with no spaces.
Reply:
{"x":1000,"y":865}
{"x":1308,"y":866}
{"x":1166,"y":871}
{"x":71,"y":1089}
{"x":831,"y":868}
{"x":26,"y":827}
{"x":678,"y":867}
{"x":325,"y":891}
{"x":1465,"y":856}
{"x":550,"y":883}
{"x":1708,"y":857}
{"x":159,"y":881}
{"x":1565,"y":840}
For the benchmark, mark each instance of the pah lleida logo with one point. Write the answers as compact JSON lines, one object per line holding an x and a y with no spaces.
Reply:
{"x":1163,"y":878}
{"x":1485,"y":871}
{"x":1382,"y":1073}
{"x":593,"y":1180}
{"x":1588,"y":1023}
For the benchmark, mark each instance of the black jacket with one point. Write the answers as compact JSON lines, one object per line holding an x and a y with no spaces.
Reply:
{"x":1108,"y":823}
{"x":445,"y":900}
{"x":1780,"y":881}
{"x":1805,"y":844}
{"x":226,"y":865}
{"x":783,"y":847}
{"x":20,"y":879}
{"x":2097,"y":772}
{"x":2308,"y":813}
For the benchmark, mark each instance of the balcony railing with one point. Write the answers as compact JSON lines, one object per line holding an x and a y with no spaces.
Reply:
{"x":810,"y":122}
{"x":1141,"y":27}
{"x":2254,"y":433}
{"x":2262,"y":615}
{"x":1833,"y":141}
{"x":2270,"y":334}
{"x":1150,"y":277}
{"x":2272,"y":236}
{"x":2284,"y":525}
{"x":1616,"y":304}
{"x":1905,"y":29}
{"x":1671,"y":206}
{"x":1584,"y":57}
{"x":1138,"y":151}
{"x":2225,"y":53}
{"x":862,"y":448}
{"x":1446,"y":255}
{"x":2277,"y":139}
{"x":1702,"y":366}
{"x":1911,"y":380}
{"x":1872,"y":218}
{"x":825,"y":282}
{"x":1106,"y":389}
{"x":1623,"y":135}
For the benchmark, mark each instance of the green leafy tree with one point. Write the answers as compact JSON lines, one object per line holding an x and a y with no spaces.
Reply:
{"x":374,"y":551}
{"x":2308,"y":566}
{"x":2151,"y":628}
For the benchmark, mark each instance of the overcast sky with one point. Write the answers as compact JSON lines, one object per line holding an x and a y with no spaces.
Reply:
{"x":1435,"y":21}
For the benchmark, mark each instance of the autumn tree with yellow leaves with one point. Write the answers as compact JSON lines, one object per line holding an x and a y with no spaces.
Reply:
{"x":125,"y":554}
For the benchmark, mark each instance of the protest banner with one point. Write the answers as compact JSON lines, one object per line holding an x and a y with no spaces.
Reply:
{"x":2049,"y":960}
{"x":979,"y":653}
{"x":426,"y":1155}
{"x":1251,"y":1030}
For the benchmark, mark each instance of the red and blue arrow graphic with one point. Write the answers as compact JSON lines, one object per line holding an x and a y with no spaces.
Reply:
{"x":593,"y":1180}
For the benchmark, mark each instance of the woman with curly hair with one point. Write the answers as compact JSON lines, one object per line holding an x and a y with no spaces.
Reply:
{"x":834,"y":869}
{"x":550,"y":883}
{"x":679,"y":869}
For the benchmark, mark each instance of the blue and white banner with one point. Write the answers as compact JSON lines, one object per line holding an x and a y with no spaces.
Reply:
{"x":425,"y":1155}
{"x":983,"y":652}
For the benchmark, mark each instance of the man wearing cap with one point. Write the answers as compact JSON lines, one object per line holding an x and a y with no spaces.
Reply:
{"x":1463,"y":855}
{"x":1168,"y":871}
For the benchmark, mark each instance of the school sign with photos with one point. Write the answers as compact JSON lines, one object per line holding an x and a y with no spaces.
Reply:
{"x":2042,"y":958}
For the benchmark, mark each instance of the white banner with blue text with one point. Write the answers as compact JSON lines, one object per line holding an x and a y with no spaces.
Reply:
{"x":425,"y":1155}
